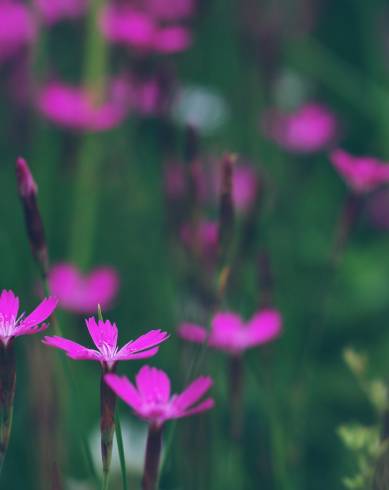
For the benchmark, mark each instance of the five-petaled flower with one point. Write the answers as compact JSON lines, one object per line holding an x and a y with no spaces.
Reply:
{"x":231,"y":334}
{"x":12,"y":325}
{"x":151,"y":399}
{"x":104,"y":335}
{"x":362,"y":174}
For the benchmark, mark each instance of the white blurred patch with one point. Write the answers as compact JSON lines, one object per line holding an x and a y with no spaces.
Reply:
{"x":134,"y":442}
{"x":291,"y":90}
{"x":200,"y":107}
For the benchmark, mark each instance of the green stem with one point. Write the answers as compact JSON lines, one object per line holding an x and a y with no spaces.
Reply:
{"x":119,"y":440}
{"x":7,"y":395}
{"x":86,"y":192}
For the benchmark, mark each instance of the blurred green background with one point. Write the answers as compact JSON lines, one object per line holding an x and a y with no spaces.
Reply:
{"x":338,"y":55}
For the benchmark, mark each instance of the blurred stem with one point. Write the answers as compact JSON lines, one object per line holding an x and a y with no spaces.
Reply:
{"x":278,"y":456}
{"x":236,"y":396}
{"x":7,"y":395}
{"x":119,"y":440}
{"x":152,"y":458}
{"x":86,"y":190}
{"x":348,"y":217}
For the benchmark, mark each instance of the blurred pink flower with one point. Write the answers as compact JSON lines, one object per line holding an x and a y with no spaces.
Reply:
{"x":170,"y":10}
{"x":53,"y":11}
{"x":207,"y":183}
{"x":201,"y":237}
{"x":231,"y":334}
{"x":72,"y":107}
{"x":82,"y":294}
{"x":104,"y":335}
{"x":12,"y":325}
{"x":17,"y":28}
{"x":362,"y":174}
{"x":151,"y":399}
{"x":244,"y":187}
{"x":138,"y":29}
{"x":309,"y":129}
{"x":175,"y":180}
{"x":378,"y":209}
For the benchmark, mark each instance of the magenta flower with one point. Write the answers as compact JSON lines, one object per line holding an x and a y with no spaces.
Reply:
{"x":14,"y":325}
{"x":151,"y":399}
{"x":17,"y":28}
{"x":140,"y":30}
{"x":105,"y":335}
{"x":201,"y":238}
{"x":231,"y":334}
{"x":309,"y":129}
{"x":362,"y":174}
{"x":244,"y":187}
{"x":73,"y":107}
{"x":53,"y":11}
{"x":82,"y":293}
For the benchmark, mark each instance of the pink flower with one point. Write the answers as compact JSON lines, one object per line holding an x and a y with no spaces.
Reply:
{"x":201,"y":237}
{"x":12,"y":325}
{"x":54,"y":11}
{"x":244,"y":187}
{"x":170,"y":10}
{"x":309,"y":129}
{"x":151,"y":399}
{"x":104,"y":335}
{"x":362,"y":174}
{"x":73,"y":107}
{"x":82,"y":294}
{"x":231,"y":334}
{"x":17,"y":28}
{"x":139,"y":29}
{"x":378,"y":209}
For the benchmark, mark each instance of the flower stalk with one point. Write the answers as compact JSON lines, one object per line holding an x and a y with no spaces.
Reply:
{"x":236,"y":396}
{"x":7,"y":394}
{"x":152,"y":458}
{"x":107,"y":425}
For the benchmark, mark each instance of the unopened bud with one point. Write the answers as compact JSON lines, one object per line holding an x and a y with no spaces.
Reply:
{"x":28,"y":192}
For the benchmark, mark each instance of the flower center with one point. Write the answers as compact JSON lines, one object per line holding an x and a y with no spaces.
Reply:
{"x":7,"y":325}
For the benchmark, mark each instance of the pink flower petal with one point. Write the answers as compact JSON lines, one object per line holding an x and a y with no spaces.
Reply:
{"x":40,"y":314}
{"x":82,"y":294}
{"x":362,"y":174}
{"x":146,"y":354}
{"x":9,"y":305}
{"x":146,"y":341}
{"x":72,"y":349}
{"x":124,"y":389}
{"x":103,"y":333}
{"x":192,"y":333}
{"x":263,"y":327}
{"x":201,"y":407}
{"x":171,"y":40}
{"x":192,"y":393}
{"x":153,"y":385}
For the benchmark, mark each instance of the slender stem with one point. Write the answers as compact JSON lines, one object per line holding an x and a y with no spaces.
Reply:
{"x":119,"y":440}
{"x":236,"y":396}
{"x":7,"y":394}
{"x":152,"y":458}
{"x":86,"y":191}
{"x":107,"y":426}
